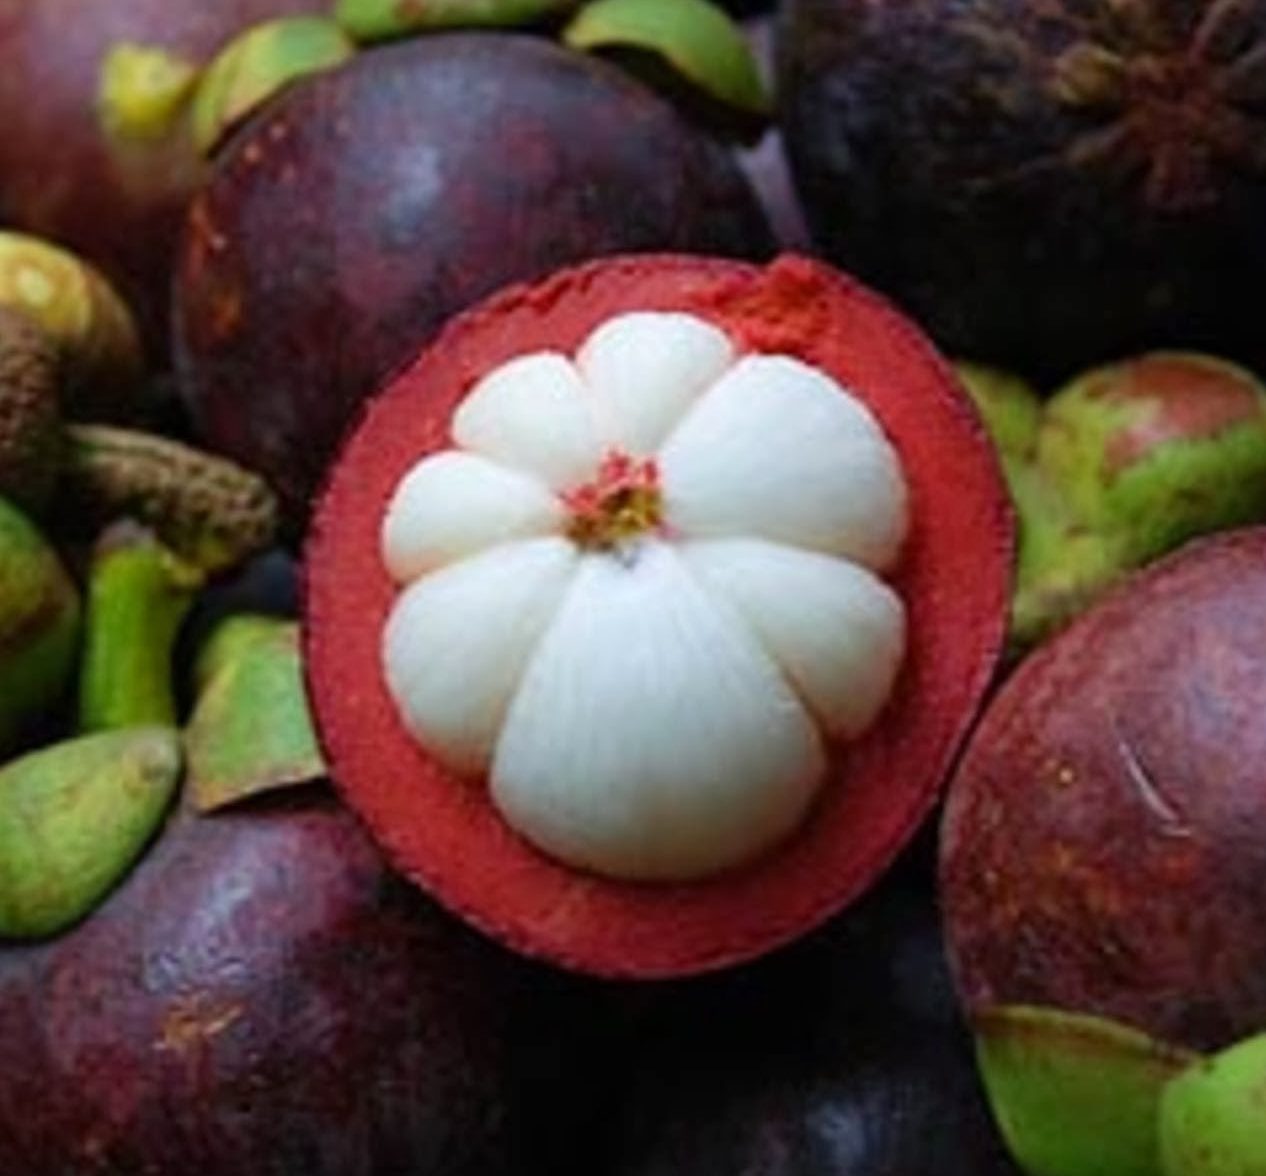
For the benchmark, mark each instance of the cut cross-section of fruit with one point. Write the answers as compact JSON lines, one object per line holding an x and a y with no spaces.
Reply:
{"x":647,"y":609}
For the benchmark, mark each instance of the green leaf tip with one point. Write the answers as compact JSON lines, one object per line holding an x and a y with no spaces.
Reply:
{"x":695,"y":38}
{"x":377,"y":20}
{"x":1213,"y":1115}
{"x":251,"y":730}
{"x":74,"y":818}
{"x":1075,"y":1095}
{"x":258,"y":64}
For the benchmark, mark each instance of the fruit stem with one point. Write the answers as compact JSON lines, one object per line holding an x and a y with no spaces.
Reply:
{"x":138,"y":596}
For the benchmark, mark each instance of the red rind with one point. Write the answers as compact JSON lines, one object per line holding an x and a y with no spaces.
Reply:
{"x":1102,"y":849}
{"x":954,"y":577}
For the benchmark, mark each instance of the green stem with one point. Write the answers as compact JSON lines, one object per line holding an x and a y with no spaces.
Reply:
{"x":138,"y":596}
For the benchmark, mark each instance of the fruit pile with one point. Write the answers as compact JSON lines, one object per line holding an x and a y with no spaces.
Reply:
{"x":503,"y":672}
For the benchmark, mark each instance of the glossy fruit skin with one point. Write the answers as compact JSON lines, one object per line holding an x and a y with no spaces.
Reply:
{"x":1042,"y":185}
{"x":263,"y":996}
{"x":118,"y":203}
{"x":843,"y":1056}
{"x":1102,"y":844}
{"x":369,"y":204}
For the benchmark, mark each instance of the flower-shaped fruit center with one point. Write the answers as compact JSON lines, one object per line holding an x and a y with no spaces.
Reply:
{"x":641,"y":594}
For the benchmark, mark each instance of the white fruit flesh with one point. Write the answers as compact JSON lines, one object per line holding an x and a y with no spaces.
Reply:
{"x":643,"y":595}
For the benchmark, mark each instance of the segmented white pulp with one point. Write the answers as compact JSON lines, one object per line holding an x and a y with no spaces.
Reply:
{"x":642,"y":594}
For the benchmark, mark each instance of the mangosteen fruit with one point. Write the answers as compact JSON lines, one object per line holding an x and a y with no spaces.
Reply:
{"x":1046,"y":185}
{"x":646,"y":608}
{"x":262,"y":995}
{"x":369,"y":203}
{"x":91,"y":155}
{"x":844,"y":1055}
{"x":1102,"y":843}
{"x":1121,"y":465}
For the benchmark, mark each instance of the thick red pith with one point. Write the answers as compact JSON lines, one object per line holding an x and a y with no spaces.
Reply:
{"x":953,"y":577}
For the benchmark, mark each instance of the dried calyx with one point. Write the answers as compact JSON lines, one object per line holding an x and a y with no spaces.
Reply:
{"x":643,"y":594}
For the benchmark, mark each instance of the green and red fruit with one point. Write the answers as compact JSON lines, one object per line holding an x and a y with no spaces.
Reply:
{"x":1101,"y":844}
{"x":370,"y":203}
{"x":92,"y":154}
{"x":1046,"y":184}
{"x":1121,"y":465}
{"x":263,"y":996}
{"x":743,"y":560}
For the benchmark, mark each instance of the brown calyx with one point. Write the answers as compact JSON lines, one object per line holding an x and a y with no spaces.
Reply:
{"x":1173,"y":97}
{"x":30,"y":428}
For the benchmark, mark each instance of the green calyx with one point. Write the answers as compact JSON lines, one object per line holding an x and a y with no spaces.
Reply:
{"x":376,"y":20}
{"x":1123,"y":464}
{"x":39,"y":625}
{"x":1075,"y":1095}
{"x":142,"y":91}
{"x":74,"y":817}
{"x":251,"y":730}
{"x":139,"y":593}
{"x":697,"y":40}
{"x":258,"y":64}
{"x":1213,"y":1116}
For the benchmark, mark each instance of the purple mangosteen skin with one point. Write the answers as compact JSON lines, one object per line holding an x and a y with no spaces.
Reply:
{"x":841,"y":1056}
{"x":62,"y":176}
{"x":1104,"y":843}
{"x":262,"y":996}
{"x":369,"y":204}
{"x":1044,"y":185}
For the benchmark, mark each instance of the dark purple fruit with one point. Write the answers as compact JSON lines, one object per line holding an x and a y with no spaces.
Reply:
{"x":841,"y":1057}
{"x":263,"y":997}
{"x":1044,"y":183}
{"x":1103,"y":840}
{"x":70,"y":169}
{"x":370,"y":203}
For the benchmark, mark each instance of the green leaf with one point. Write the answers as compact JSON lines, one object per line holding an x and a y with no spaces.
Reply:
{"x":695,"y":38}
{"x":376,"y":20}
{"x":1075,"y":1095}
{"x":1213,"y":1116}
{"x":74,"y":817}
{"x":257,"y":64}
{"x":251,"y":729}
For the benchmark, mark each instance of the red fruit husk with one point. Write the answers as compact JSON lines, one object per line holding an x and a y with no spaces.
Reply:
{"x":1102,"y":846}
{"x":953,"y":576}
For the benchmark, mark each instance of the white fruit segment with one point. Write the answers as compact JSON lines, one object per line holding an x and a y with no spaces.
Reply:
{"x":774,"y":449}
{"x":455,"y":504}
{"x":840,"y":642}
{"x":534,"y":414}
{"x":651,"y":736}
{"x":641,"y":593}
{"x":646,"y":368}
{"x":457,"y":641}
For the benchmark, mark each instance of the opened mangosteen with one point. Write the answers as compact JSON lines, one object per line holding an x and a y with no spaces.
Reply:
{"x":1103,"y":839}
{"x":92,"y":154}
{"x":1042,"y":184}
{"x":369,"y":203}
{"x":645,"y":610}
{"x":263,"y":996}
